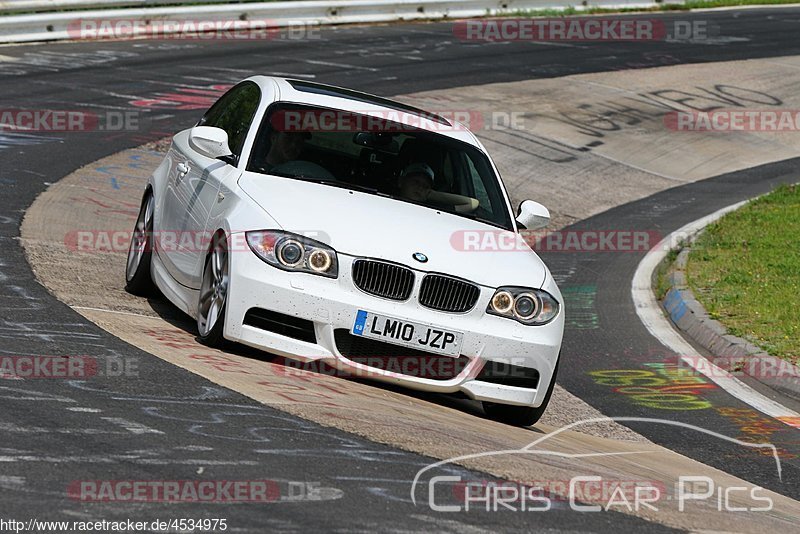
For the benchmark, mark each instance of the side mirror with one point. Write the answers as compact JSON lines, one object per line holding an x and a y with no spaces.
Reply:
{"x":532,"y":215}
{"x":210,"y":141}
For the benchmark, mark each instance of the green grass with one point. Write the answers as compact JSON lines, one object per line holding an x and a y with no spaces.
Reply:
{"x":689,"y":4}
{"x":745,"y":270}
{"x":663,"y":283}
{"x":703,"y":4}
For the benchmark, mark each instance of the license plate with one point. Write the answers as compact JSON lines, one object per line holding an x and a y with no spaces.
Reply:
{"x":406,"y":333}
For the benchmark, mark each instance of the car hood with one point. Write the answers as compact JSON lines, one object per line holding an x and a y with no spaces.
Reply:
{"x":362,"y":224}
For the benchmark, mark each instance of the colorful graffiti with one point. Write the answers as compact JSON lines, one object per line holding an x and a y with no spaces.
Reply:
{"x":663,"y":386}
{"x":755,"y":428}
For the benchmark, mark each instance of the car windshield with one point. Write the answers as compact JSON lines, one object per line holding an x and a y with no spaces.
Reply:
{"x":379,"y":156}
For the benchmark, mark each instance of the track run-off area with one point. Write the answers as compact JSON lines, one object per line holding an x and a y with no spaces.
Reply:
{"x":579,"y":127}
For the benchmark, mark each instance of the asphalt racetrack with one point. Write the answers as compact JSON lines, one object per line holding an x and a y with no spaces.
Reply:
{"x":167,"y":423}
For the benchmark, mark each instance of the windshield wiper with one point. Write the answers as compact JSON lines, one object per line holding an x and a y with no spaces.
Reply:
{"x":483,"y":220}
{"x":276,"y":173}
{"x":341,"y":184}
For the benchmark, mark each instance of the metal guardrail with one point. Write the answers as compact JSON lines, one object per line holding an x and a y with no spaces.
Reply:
{"x":49,"y":6}
{"x":62,"y":25}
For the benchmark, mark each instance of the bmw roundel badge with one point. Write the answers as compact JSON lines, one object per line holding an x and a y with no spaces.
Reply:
{"x":420,"y":257}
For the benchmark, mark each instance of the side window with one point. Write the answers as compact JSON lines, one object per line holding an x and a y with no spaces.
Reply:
{"x":448,"y":177}
{"x":477,"y":184}
{"x":234,"y":112}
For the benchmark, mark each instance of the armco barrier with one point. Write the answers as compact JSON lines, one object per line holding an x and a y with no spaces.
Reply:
{"x":54,"y":26}
{"x":49,"y":6}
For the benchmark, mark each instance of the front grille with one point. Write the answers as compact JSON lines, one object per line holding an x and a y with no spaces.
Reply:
{"x":381,"y":279}
{"x":285,"y":325}
{"x":398,"y":359}
{"x":444,"y":293}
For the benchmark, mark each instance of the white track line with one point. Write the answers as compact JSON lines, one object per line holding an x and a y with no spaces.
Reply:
{"x":662,"y":329}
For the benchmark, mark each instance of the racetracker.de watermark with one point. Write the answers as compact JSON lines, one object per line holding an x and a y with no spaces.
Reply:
{"x":194,"y":29}
{"x":199,"y":491}
{"x":764,"y":367}
{"x":210,"y":491}
{"x":555,"y":241}
{"x":734,"y":120}
{"x":611,"y":240}
{"x":430,"y":367}
{"x":116,"y":241}
{"x":581,"y":29}
{"x":63,"y":120}
{"x":66,"y":367}
{"x":394,"y":121}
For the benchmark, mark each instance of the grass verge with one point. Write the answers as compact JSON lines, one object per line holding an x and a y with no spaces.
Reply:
{"x":662,"y":279}
{"x":686,"y":6}
{"x":745,"y":270}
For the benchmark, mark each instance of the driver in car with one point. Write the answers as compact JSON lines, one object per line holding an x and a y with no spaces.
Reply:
{"x":415,"y":182}
{"x":285,"y":147}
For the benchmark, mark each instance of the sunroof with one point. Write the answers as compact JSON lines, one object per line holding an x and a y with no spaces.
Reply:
{"x":341,"y":92}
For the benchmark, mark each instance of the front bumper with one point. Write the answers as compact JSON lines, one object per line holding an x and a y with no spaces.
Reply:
{"x":332,"y":304}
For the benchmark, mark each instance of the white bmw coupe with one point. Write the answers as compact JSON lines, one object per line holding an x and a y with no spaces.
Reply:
{"x":326,"y":225}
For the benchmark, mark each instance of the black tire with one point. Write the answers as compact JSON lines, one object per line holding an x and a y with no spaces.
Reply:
{"x":138,"y":280}
{"x":213,"y":337}
{"x":521,"y":415}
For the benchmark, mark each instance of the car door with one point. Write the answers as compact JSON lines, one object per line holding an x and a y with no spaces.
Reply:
{"x":173,"y":207}
{"x":198,"y":178}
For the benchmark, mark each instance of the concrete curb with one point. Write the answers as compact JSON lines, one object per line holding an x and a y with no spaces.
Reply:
{"x":734,"y":354}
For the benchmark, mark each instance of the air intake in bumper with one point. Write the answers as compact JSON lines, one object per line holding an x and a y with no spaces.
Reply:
{"x":496,"y":372}
{"x":279,"y":323}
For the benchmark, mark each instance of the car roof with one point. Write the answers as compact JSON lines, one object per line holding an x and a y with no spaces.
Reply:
{"x":329,"y":96}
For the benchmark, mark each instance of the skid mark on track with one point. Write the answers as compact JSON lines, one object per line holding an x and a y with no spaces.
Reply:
{"x":50,"y":61}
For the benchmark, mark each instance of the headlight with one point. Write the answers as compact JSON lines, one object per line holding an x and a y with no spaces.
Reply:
{"x":502,"y":302}
{"x":292,"y":252}
{"x":320,"y":261}
{"x":525,"y":305}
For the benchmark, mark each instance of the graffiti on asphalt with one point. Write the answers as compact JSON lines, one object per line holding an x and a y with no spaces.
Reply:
{"x":662,"y":386}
